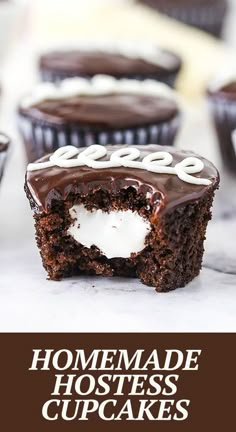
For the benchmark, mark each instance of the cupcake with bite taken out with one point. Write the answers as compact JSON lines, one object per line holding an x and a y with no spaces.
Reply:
{"x":133,"y":211}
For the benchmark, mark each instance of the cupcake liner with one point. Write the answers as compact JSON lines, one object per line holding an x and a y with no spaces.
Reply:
{"x":41,"y":138}
{"x":224,"y":115}
{"x":168,"y":78}
{"x":209,"y":18}
{"x":3,"y":155}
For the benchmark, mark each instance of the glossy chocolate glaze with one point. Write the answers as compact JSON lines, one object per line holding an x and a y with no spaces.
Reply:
{"x":116,"y":111}
{"x":94,"y":62}
{"x":165,"y":192}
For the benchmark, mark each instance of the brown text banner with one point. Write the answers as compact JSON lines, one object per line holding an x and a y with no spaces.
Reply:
{"x":117,"y":382}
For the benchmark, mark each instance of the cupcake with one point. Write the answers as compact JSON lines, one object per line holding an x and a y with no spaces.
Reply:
{"x":120,"y":60}
{"x":103,"y":110}
{"x":222,"y":100}
{"x":207,"y":15}
{"x":122,"y":211}
{"x":4,"y":145}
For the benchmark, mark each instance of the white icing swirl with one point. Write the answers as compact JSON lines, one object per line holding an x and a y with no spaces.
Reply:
{"x":157,"y":162}
{"x":133,"y":49}
{"x":99,"y":85}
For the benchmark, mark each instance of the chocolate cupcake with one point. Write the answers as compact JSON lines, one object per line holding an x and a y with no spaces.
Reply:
{"x":103,"y":110}
{"x":4,"y":145}
{"x":122,"y":211}
{"x":120,"y":60}
{"x":222,"y":100}
{"x":207,"y":15}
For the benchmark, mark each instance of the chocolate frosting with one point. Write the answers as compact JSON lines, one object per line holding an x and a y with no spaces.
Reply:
{"x":95,"y":62}
{"x":165,"y":191}
{"x":115,"y":111}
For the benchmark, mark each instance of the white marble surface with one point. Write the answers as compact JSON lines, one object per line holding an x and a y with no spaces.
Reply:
{"x":28,"y":302}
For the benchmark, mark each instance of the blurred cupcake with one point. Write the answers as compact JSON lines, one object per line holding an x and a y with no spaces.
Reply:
{"x":4,"y":145}
{"x":102,"y":110}
{"x":222,"y":99}
{"x":123,"y":60}
{"x":207,"y":15}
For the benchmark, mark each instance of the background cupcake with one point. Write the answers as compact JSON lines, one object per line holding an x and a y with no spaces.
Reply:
{"x":207,"y":15}
{"x":4,"y":145}
{"x":222,"y":99}
{"x":120,"y":60}
{"x":103,"y":110}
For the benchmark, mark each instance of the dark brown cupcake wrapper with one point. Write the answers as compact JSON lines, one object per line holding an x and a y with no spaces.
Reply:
{"x":168,"y":78}
{"x":224,"y":115}
{"x":209,"y":18}
{"x":41,"y":138}
{"x":3,"y":154}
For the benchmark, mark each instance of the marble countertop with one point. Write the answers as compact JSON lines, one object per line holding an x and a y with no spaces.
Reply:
{"x":28,"y":302}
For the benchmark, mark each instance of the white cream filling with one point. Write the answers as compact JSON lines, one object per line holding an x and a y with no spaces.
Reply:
{"x":99,"y":85}
{"x":117,"y":234}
